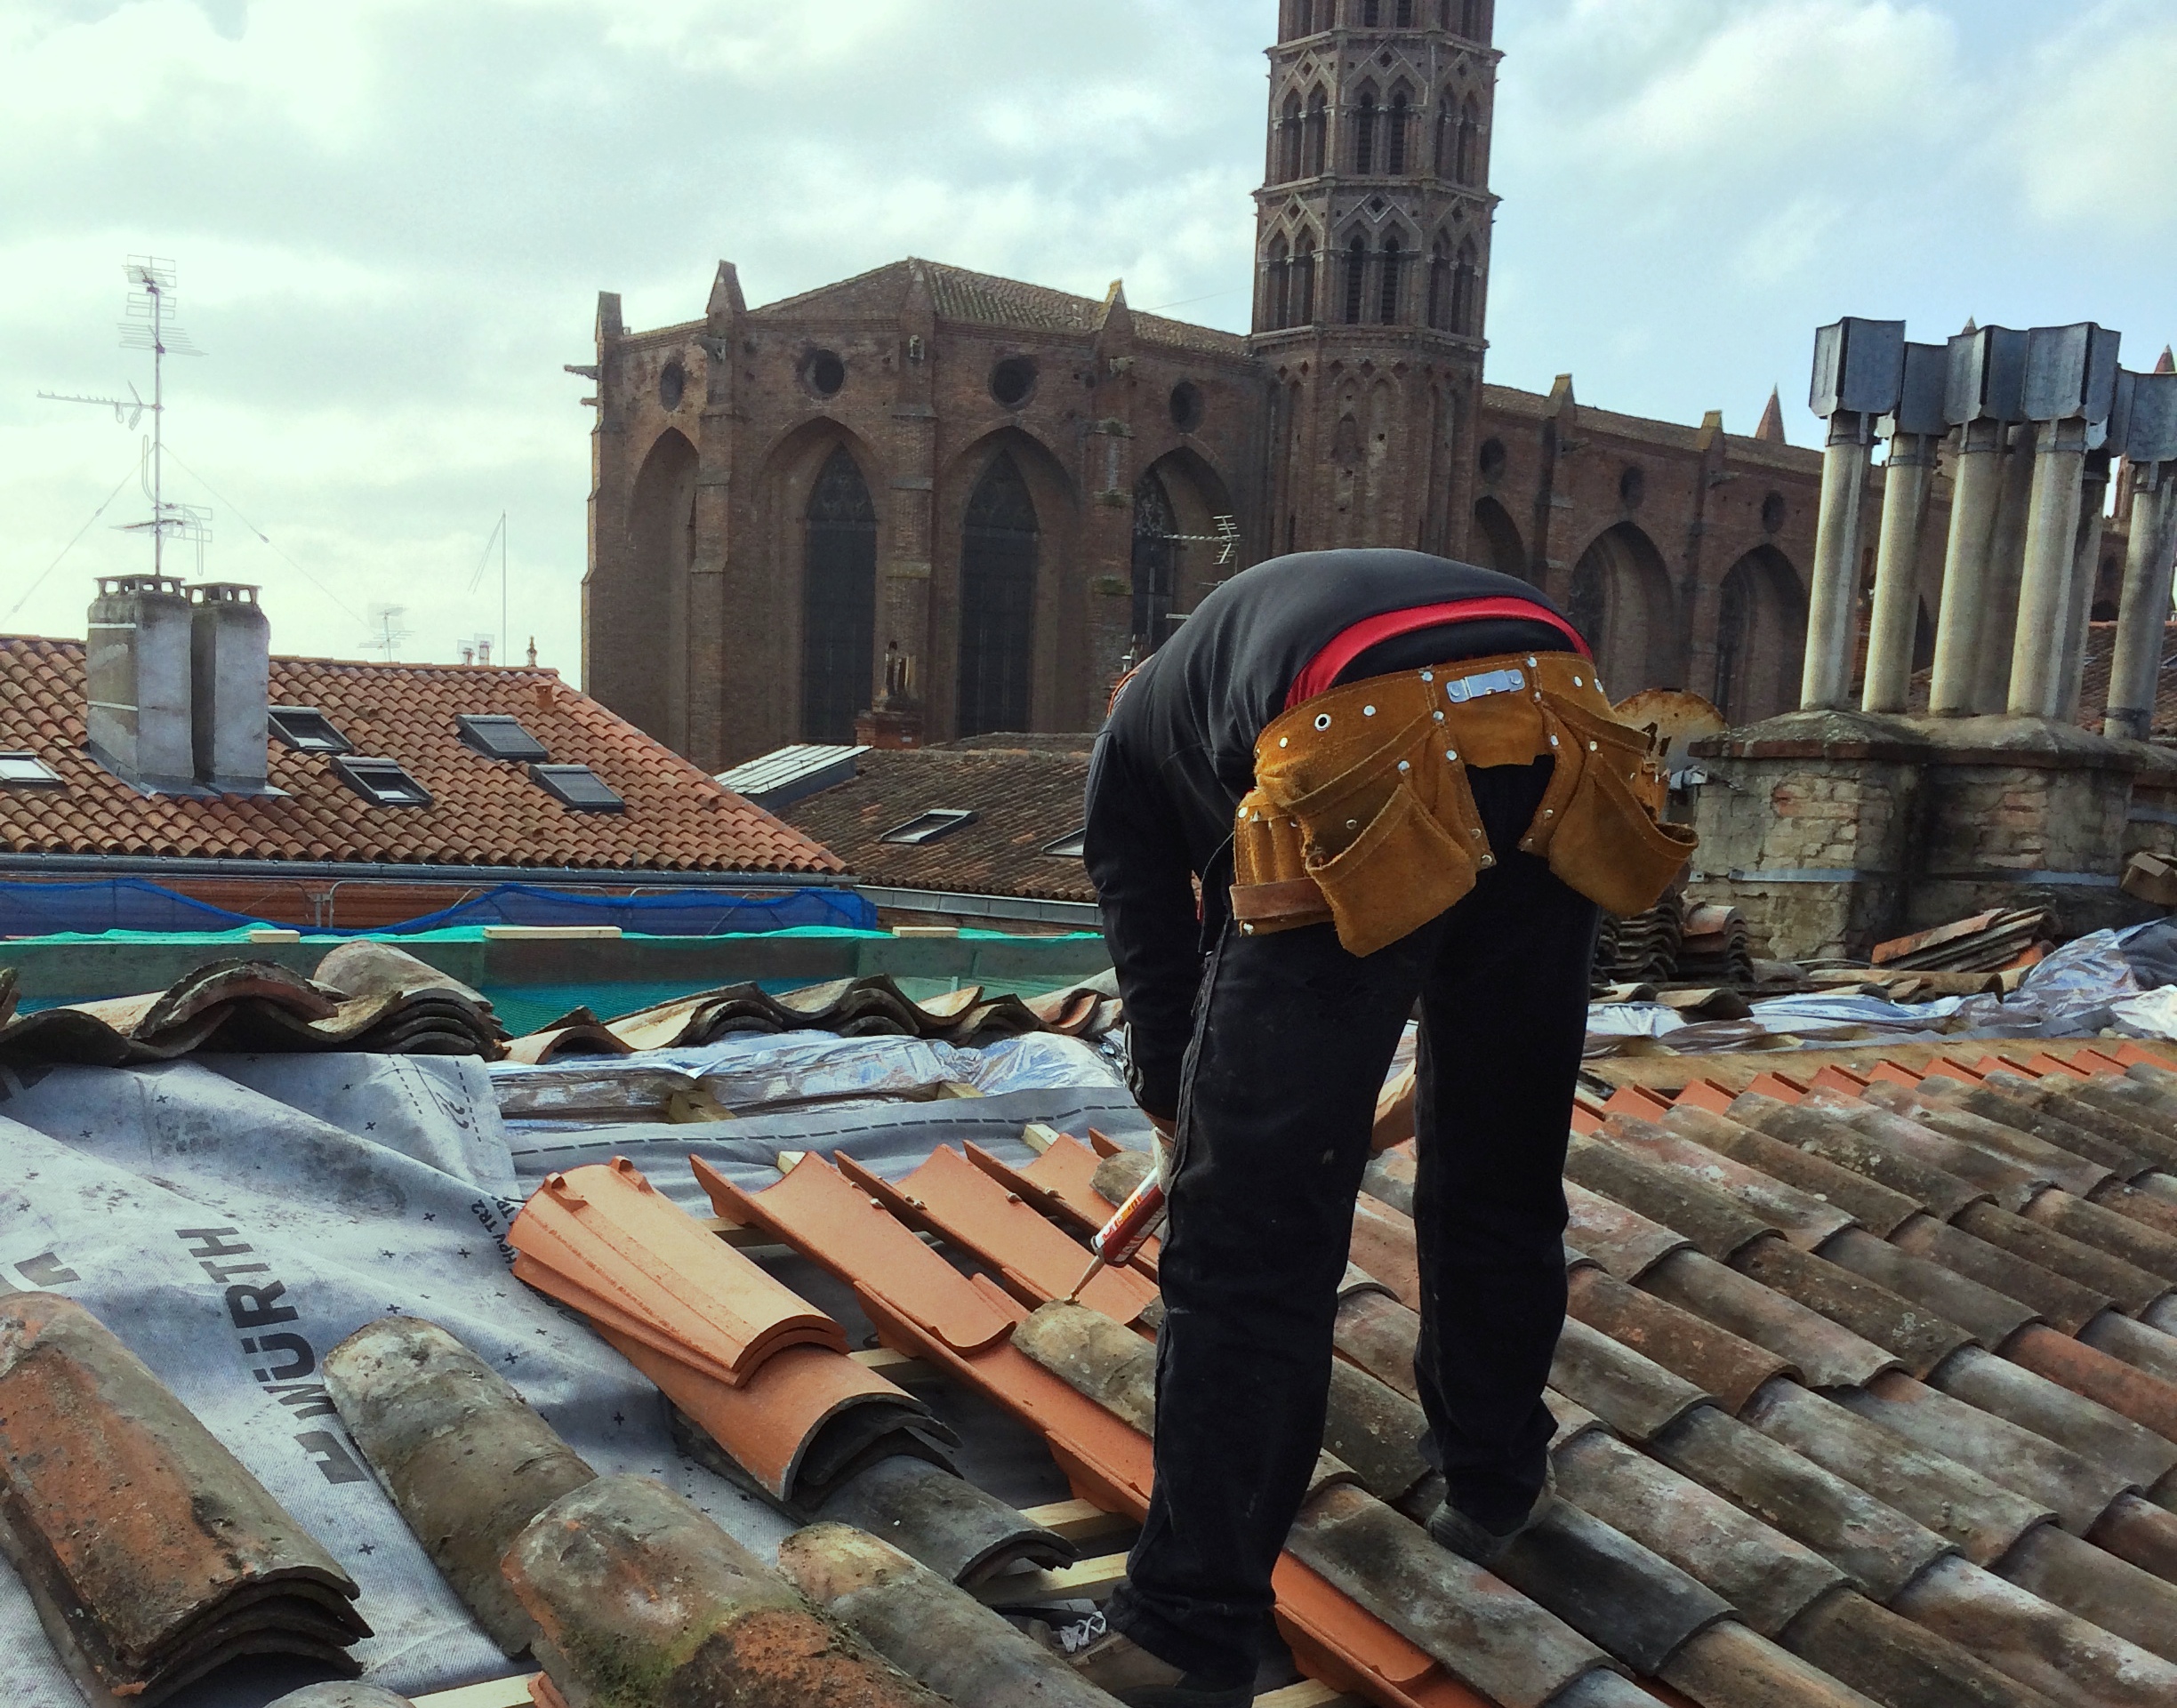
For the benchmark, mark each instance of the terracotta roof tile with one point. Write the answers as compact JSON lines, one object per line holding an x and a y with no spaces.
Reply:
{"x":485,"y":812}
{"x":1022,"y":799}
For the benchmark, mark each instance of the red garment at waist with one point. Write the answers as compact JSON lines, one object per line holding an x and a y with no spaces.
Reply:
{"x":1321,"y":672}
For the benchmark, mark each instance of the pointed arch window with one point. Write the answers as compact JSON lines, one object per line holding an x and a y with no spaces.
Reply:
{"x":1468,"y":168}
{"x":1387,"y":282}
{"x":1405,"y":14}
{"x":1303,"y":295}
{"x":1364,"y":133}
{"x":1318,"y":131}
{"x":1440,"y":285}
{"x":1466,"y":289}
{"x":1278,"y":285}
{"x":1439,"y":159}
{"x":1356,"y":279}
{"x":1156,"y":563}
{"x":1396,"y":124}
{"x":1470,"y":19}
{"x":1288,"y":140}
{"x":839,"y":601}
{"x":998,"y":547}
{"x":1371,"y":14}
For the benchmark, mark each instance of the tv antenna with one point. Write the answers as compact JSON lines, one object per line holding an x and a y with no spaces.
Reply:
{"x":150,"y":326}
{"x":498,"y":536}
{"x":386,"y":631}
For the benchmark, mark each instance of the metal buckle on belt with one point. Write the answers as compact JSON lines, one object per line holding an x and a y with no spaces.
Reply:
{"x":1485,"y":682}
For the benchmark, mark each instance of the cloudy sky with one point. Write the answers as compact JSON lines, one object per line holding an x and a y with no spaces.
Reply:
{"x":392,"y":219}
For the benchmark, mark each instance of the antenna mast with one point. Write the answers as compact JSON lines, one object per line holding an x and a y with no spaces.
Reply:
{"x":150,"y":326}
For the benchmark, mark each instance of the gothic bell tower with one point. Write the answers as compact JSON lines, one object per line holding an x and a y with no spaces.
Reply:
{"x":1372,"y":245}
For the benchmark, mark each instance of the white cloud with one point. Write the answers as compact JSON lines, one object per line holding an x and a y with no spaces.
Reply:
{"x":393,"y":216}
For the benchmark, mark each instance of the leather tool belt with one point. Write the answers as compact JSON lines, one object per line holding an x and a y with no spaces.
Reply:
{"x":1361,"y":815}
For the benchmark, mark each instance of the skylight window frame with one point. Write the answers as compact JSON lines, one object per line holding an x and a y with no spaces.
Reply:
{"x":36,"y":772}
{"x":550,"y":779}
{"x":476,"y":734}
{"x":363,"y":775}
{"x":1068,"y":846}
{"x":280,"y":718}
{"x":931,"y":825}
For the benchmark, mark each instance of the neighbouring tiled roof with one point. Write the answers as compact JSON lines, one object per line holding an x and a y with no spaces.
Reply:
{"x":2095,"y":679}
{"x":985,"y":299}
{"x":1020,"y":800}
{"x":485,"y":812}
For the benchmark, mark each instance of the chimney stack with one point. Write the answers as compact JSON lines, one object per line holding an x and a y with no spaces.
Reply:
{"x":137,"y":681}
{"x":230,"y":664}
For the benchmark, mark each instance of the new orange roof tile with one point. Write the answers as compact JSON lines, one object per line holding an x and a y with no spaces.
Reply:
{"x":604,"y":1237}
{"x":904,"y":1286}
{"x":1037,"y":1262}
{"x":485,"y":812}
{"x":1061,"y":1185}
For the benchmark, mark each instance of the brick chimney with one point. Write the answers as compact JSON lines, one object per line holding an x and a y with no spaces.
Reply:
{"x":230,"y":645}
{"x":137,"y":681}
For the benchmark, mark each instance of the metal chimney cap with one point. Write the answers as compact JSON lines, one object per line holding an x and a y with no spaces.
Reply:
{"x":2151,"y":434}
{"x":1858,"y":367}
{"x":2071,"y":372}
{"x":1922,"y":397}
{"x":1988,"y":375}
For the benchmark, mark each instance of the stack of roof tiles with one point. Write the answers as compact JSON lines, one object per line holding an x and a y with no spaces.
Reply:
{"x":1986,"y":943}
{"x":763,"y":1386}
{"x":367,"y":997}
{"x":151,"y":1553}
{"x":484,"y":812}
{"x":1642,"y":946}
{"x":860,"y":1007}
{"x":1717,"y":946}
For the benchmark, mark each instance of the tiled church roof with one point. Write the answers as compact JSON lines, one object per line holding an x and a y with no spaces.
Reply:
{"x":985,"y":299}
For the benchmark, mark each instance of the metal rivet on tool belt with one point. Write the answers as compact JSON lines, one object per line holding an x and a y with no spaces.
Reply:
{"x":1405,"y":765}
{"x":1549,"y":811}
{"x":1428,"y":676}
{"x":1452,"y":754}
{"x":1592,"y":748}
{"x":1353,"y":824}
{"x":1284,"y":740}
{"x":1532,"y":665}
{"x":1476,"y":834}
{"x":1577,"y":683}
{"x":1489,"y":860}
{"x":1322,"y":720}
{"x":1553,"y":740}
{"x":1440,"y":718}
{"x":1368,"y":711}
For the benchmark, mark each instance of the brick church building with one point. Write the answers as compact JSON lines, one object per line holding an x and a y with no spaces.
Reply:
{"x":942,"y":503}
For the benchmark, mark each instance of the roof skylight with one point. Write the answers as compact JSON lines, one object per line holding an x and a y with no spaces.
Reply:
{"x":578,"y":787}
{"x":26,"y":771}
{"x":307,"y":730}
{"x":382,"y":782}
{"x":928,"y":827}
{"x":499,"y":737}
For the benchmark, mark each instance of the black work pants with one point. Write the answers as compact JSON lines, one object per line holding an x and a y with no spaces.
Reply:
{"x":1292,"y":1039}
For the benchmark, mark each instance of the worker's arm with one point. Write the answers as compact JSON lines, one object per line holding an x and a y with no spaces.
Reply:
{"x":1145,"y":886}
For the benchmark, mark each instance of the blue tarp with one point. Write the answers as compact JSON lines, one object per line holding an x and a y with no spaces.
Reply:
{"x":30,"y":910}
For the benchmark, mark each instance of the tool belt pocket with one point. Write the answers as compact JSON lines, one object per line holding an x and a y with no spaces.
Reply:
{"x":1604,"y":839}
{"x":1400,"y":868}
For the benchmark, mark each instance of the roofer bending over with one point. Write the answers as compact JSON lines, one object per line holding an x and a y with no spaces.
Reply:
{"x":1392,"y":777}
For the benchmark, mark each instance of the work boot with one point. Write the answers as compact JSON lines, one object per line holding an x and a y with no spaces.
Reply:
{"x":1454,"y":1530}
{"x":1121,"y":1667}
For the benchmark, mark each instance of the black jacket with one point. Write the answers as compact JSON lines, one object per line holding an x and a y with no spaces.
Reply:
{"x":1179,"y":752}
